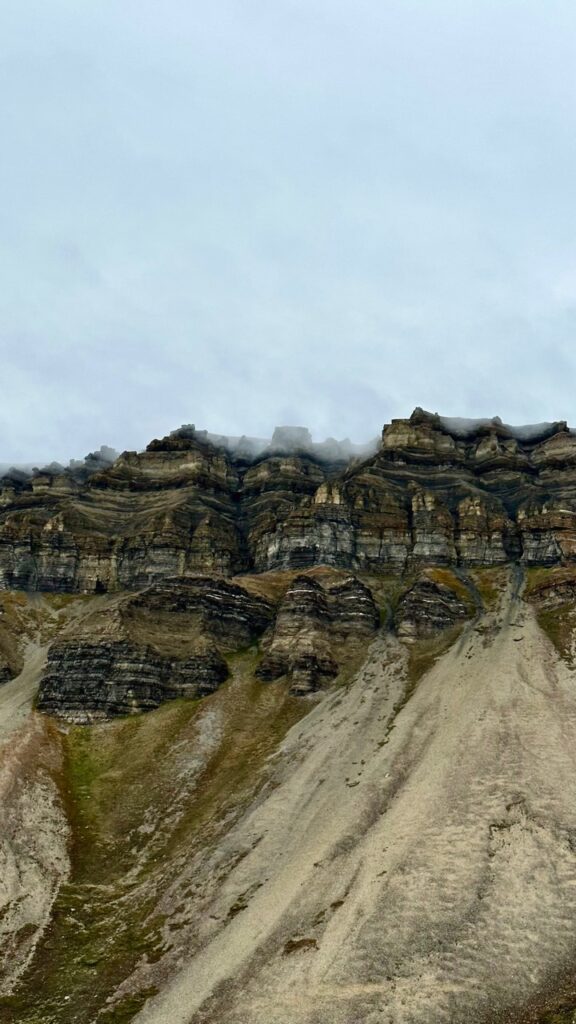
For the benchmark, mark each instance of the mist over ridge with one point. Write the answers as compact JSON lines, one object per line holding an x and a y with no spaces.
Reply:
{"x":292,"y":439}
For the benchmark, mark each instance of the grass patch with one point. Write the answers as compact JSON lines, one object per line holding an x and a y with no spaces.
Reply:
{"x":538,"y":580}
{"x":490,"y":584}
{"x":563,"y":1016}
{"x":446,"y":578}
{"x":553,"y":594}
{"x":424,"y":654}
{"x":559,"y":624}
{"x":63,"y":601}
{"x":387,"y":591}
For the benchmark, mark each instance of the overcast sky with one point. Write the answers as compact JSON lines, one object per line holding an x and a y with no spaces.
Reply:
{"x":249,"y":212}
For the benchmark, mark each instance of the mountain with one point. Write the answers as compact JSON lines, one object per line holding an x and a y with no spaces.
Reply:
{"x":288,"y":730}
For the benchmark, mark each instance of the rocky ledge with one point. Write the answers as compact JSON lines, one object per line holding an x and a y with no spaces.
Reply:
{"x":315,"y":630}
{"x":181,"y":543}
{"x":435,"y":492}
{"x":85,"y":681}
{"x":436,"y":601}
{"x":134,"y":652}
{"x":139,"y":651}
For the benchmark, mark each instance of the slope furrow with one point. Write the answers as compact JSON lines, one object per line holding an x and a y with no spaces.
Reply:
{"x":410,"y":864}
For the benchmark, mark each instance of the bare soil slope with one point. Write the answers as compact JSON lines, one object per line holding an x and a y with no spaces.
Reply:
{"x":409,"y":866}
{"x":401,"y":849}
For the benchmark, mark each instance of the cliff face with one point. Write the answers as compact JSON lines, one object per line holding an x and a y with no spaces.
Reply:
{"x":176,"y":638}
{"x":139,"y":651}
{"x":315,"y":629}
{"x":433,"y":494}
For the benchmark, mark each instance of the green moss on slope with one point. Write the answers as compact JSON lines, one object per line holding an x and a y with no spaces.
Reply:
{"x":144,"y":795}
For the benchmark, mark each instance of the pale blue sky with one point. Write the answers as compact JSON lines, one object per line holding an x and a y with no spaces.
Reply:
{"x":301,"y":211}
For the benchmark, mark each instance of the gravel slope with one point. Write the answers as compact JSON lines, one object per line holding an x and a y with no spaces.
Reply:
{"x":411,"y":866}
{"x":33,"y":827}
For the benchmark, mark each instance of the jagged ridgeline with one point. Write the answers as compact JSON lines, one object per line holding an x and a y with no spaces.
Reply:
{"x":435,"y":492}
{"x":288,"y":730}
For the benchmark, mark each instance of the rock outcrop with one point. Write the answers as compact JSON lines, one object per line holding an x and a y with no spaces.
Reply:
{"x":168,"y":527}
{"x":217,"y":608}
{"x":401,"y":848}
{"x":435,"y":602}
{"x":317,"y":627}
{"x":552,"y":589}
{"x":132,"y":653}
{"x":435,"y":492}
{"x":138,"y":652}
{"x":86,"y":681}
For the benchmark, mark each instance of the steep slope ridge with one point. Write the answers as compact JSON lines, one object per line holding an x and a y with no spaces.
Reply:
{"x":407,"y":854}
{"x":410,"y":867}
{"x":34,"y":827}
{"x":148,"y":799}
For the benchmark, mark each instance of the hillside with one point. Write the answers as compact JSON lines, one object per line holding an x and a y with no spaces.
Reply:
{"x":288,"y":733}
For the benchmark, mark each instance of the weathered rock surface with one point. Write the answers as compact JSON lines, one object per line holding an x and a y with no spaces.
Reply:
{"x":169,"y":526}
{"x":7,"y":669}
{"x":388,"y":851}
{"x":34,"y":837}
{"x":435,"y":602}
{"x":316,"y":628}
{"x":434,"y":493}
{"x":553,"y":589}
{"x":133,"y":653}
{"x":218,"y":608}
{"x":137,"y":652}
{"x":87,"y":681}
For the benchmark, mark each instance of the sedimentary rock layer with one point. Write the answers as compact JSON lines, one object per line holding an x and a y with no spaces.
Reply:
{"x":136,"y":652}
{"x":432,"y":494}
{"x":316,"y":628}
{"x":435,"y":602}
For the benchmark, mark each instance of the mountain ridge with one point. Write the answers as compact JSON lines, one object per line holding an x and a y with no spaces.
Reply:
{"x":293,"y":739}
{"x":427,"y":496}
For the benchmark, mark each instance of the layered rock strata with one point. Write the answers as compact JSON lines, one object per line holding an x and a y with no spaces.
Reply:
{"x":85,"y":681}
{"x":133,"y":653}
{"x":434,"y":493}
{"x":316,"y":628}
{"x":169,"y":526}
{"x":435,"y":602}
{"x":140,"y":651}
{"x":225,"y":611}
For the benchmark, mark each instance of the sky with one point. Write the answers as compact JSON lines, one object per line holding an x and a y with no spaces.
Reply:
{"x":243,"y":213}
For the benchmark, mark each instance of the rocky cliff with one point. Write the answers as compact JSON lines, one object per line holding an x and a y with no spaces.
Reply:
{"x":175,"y":639}
{"x":435,"y":492}
{"x":315,"y":629}
{"x":136,"y":652}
